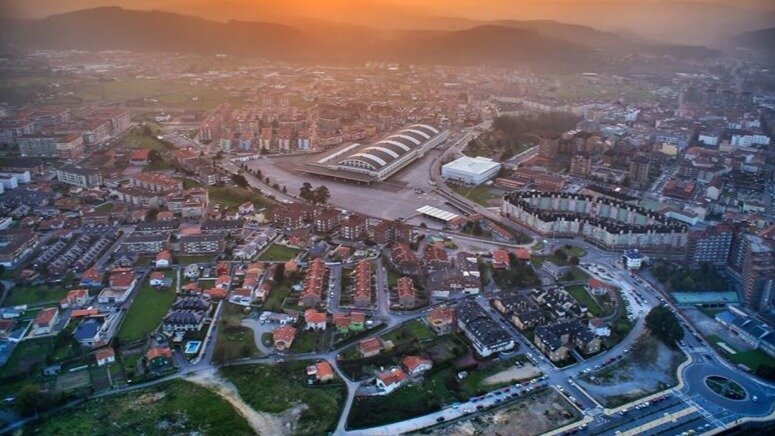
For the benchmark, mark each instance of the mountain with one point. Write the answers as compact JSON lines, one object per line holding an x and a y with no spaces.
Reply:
{"x":116,"y":28}
{"x":760,"y":40}
{"x":497,"y":45}
{"x":533,"y":44}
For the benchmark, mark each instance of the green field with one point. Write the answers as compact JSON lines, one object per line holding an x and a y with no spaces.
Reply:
{"x":190,"y":183}
{"x":274,"y":303}
{"x":277,"y":388}
{"x":175,"y":407}
{"x":30,"y":295}
{"x":230,"y":197}
{"x":478,"y":194}
{"x":415,"y":330}
{"x":147,"y":310}
{"x":278,"y":253}
{"x":28,"y":356}
{"x":753,"y":359}
{"x":233,"y":340}
{"x":569,"y":251}
{"x":582,"y":296}
{"x":136,"y":139}
{"x":307,"y":341}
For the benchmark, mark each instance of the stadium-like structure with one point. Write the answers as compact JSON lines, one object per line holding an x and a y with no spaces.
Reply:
{"x":383,"y":158}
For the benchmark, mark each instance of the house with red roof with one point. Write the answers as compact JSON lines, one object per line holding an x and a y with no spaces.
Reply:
{"x":74,"y":298}
{"x":91,"y":278}
{"x":522,"y":253}
{"x":215,"y":293}
{"x":500,"y":259}
{"x":314,"y":320}
{"x":370,"y":346}
{"x":44,"y":321}
{"x":320,"y":372}
{"x":283,"y":337}
{"x":416,"y":365}
{"x":442,"y":320}
{"x":158,"y":357}
{"x":391,"y":380}
{"x":598,"y":288}
{"x":163,"y":259}
{"x":407,"y":296}
{"x":105,"y":356}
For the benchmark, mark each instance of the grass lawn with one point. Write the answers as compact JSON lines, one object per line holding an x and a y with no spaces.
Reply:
{"x":135,"y":139}
{"x":478,"y":194}
{"x":278,"y":253}
{"x":179,"y":405}
{"x":30,"y":295}
{"x":229,"y":197}
{"x":147,"y":310}
{"x":188,"y":260}
{"x":276,"y":388}
{"x":189,"y":183}
{"x":577,"y":252}
{"x":752,"y":359}
{"x":575,"y":274}
{"x":392,"y":277}
{"x":413,"y":330}
{"x":28,"y":357}
{"x":582,"y":296}
{"x":405,"y":403}
{"x":233,"y":340}
{"x":274,"y":302}
{"x":306,"y":341}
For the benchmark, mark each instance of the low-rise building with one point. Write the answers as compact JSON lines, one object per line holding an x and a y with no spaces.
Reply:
{"x":283,"y":337}
{"x":44,"y":321}
{"x":486,"y":336}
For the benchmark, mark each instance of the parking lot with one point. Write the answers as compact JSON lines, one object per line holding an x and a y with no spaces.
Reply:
{"x":399,"y":196}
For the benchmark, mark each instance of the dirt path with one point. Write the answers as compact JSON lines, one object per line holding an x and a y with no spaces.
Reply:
{"x":515,"y":373}
{"x":261,"y":423}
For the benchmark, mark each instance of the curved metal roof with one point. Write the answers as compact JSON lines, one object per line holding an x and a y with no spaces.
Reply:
{"x":391,"y":148}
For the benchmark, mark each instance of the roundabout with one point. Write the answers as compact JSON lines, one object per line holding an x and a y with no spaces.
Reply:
{"x":722,"y":391}
{"x":725,"y":387}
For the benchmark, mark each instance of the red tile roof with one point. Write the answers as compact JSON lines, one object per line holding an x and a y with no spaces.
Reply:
{"x":45,"y":316}
{"x":312,"y":316}
{"x":104,"y":353}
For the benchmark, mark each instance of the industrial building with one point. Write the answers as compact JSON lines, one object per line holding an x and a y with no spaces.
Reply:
{"x":380,"y":160}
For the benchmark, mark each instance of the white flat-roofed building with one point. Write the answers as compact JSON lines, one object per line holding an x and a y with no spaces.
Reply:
{"x":471,"y":170}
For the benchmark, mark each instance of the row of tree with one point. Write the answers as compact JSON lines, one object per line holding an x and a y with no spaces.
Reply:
{"x":319,"y":195}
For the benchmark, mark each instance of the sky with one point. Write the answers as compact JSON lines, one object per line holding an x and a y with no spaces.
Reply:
{"x":686,"y":21}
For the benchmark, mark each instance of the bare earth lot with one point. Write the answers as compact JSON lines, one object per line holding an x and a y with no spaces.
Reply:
{"x":515,"y":373}
{"x":534,"y":415}
{"x":650,"y":367}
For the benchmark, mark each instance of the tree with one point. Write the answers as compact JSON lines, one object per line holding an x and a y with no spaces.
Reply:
{"x":285,"y":189}
{"x":573,"y":260}
{"x":305,"y":192}
{"x":258,"y":174}
{"x":664,"y":325}
{"x":239,"y":180}
{"x":560,"y":254}
{"x":266,"y":180}
{"x":321,"y":195}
